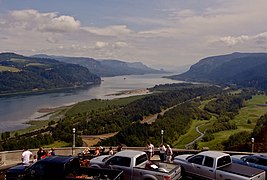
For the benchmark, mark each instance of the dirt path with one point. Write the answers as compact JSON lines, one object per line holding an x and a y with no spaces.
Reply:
{"x":91,"y":140}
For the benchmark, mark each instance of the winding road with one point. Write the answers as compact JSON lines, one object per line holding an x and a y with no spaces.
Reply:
{"x":199,"y":137}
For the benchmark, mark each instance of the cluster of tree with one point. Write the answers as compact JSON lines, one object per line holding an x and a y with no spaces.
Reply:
{"x":225,"y":105}
{"x":174,"y":123}
{"x":26,"y":142}
{"x":41,"y":74}
{"x":238,"y":142}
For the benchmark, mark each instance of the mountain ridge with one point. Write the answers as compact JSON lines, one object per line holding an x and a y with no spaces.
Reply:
{"x":242,"y":69}
{"x":106,"y":67}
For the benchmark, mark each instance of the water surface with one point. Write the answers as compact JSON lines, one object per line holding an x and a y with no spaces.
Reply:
{"x":16,"y":110}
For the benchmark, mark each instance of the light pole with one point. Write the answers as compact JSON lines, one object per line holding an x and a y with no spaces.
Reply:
{"x":161,"y":132}
{"x":73,"y":143}
{"x":252,"y":144}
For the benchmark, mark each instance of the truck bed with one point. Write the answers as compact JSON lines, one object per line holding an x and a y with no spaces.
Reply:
{"x":241,"y":170}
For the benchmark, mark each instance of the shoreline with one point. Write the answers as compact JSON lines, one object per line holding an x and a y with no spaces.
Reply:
{"x":44,"y":114}
{"x":131,"y":92}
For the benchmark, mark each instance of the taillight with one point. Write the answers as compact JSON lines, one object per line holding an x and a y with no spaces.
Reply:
{"x":167,"y":177}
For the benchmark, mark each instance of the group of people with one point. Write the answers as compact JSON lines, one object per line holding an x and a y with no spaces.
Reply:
{"x":41,"y":153}
{"x":164,"y":153}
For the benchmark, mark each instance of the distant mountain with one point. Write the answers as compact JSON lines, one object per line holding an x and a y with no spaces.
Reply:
{"x":243,"y":69}
{"x":26,"y":74}
{"x":106,"y":67}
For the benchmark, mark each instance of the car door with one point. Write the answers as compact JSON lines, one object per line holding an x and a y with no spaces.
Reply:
{"x":195,"y":165}
{"x":122,"y":164}
{"x":207,"y":170}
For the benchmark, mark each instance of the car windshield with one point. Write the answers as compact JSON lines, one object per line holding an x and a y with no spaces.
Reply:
{"x":105,"y":159}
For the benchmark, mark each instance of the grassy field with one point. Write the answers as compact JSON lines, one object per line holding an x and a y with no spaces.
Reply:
{"x":7,"y":68}
{"x":252,"y":111}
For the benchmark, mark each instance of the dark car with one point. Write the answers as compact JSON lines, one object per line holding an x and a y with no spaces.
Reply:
{"x":255,"y":160}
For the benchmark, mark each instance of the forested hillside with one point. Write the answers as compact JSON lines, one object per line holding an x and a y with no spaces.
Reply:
{"x":24,"y":74}
{"x":241,"y":69}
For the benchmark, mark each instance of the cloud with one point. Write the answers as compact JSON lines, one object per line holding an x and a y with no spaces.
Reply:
{"x":101,"y":44}
{"x":45,"y":22}
{"x":115,"y":30}
{"x":232,"y":41}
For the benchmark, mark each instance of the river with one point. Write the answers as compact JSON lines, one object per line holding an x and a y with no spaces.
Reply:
{"x":16,"y":110}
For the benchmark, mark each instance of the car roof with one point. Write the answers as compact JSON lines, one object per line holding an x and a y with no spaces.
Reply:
{"x":57,"y":159}
{"x":129,"y":153}
{"x":260,"y":156}
{"x":213,"y":154}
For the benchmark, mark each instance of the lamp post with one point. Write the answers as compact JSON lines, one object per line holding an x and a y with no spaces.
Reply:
{"x":252,"y":144}
{"x":161,"y":132}
{"x":73,"y":143}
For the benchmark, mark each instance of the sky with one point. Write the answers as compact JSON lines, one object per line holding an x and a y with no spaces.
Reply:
{"x":160,"y":33}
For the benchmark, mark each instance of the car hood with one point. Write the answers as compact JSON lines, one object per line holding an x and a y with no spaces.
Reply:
{"x":237,"y":156}
{"x":182,"y":157}
{"x":99,"y":159}
{"x":18,"y":168}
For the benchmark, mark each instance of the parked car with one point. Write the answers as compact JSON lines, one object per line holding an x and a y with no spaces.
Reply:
{"x":215,"y":165}
{"x":136,"y":166}
{"x":60,"y":168}
{"x":254,"y":160}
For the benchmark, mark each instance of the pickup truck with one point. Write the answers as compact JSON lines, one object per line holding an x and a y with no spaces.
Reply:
{"x":136,"y":166}
{"x":60,"y":167}
{"x":216,"y":165}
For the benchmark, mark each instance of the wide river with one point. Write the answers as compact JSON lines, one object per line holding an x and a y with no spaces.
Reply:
{"x":16,"y":110}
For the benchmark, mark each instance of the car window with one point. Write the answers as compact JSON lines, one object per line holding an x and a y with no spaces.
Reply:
{"x":223,"y":161}
{"x":251,"y":159}
{"x":262,"y":161}
{"x":120,"y":161}
{"x":141,"y":159}
{"x":208,"y":161}
{"x":198,"y":159}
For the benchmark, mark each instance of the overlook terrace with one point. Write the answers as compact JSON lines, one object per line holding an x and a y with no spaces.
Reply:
{"x":12,"y":158}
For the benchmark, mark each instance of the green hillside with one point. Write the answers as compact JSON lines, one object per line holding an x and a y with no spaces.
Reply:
{"x":25,"y":74}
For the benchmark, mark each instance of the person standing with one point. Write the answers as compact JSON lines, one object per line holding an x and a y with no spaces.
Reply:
{"x":110,"y":152}
{"x":169,"y":153}
{"x":40,"y":153}
{"x":25,"y":156}
{"x":119,"y":147}
{"x":162,"y":152}
{"x":150,"y":150}
{"x":52,"y":152}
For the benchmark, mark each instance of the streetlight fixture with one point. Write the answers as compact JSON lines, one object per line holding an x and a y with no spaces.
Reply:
{"x":73,"y":143}
{"x":252,"y":144}
{"x":161,"y":132}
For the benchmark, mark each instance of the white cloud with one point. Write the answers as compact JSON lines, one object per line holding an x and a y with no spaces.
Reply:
{"x":101,"y":44}
{"x":232,"y":41}
{"x":115,"y":30}
{"x":46,"y":22}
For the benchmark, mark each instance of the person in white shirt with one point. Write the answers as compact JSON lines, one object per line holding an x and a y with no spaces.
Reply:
{"x":162,"y":152}
{"x":150,"y":150}
{"x":169,"y":153}
{"x":25,"y":157}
